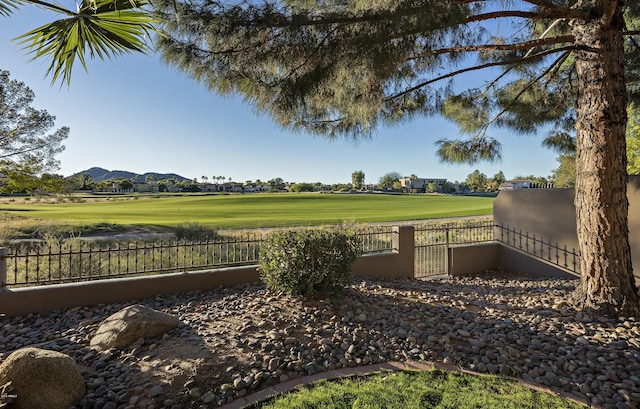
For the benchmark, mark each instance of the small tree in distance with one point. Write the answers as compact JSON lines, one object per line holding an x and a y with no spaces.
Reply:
{"x":389,"y":180}
{"x":357,"y":180}
{"x":477,"y":181}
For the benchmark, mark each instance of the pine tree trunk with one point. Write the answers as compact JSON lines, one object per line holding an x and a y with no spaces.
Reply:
{"x":607,"y":284}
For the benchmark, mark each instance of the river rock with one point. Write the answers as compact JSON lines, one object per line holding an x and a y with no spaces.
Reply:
{"x":42,"y":379}
{"x":130,"y":324}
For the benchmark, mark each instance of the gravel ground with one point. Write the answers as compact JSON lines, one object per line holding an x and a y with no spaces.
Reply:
{"x":235,"y":341}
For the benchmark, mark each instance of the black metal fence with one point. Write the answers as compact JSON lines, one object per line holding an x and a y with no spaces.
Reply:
{"x":432,"y":244}
{"x":73,"y":260}
{"x":536,"y":246}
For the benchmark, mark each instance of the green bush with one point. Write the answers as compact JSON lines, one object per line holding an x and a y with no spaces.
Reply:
{"x":195,"y":232}
{"x":305,"y":262}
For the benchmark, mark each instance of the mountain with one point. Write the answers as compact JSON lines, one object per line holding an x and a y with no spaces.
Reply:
{"x":100,"y":174}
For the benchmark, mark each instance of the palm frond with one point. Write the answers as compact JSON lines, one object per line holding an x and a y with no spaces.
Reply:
{"x":102,"y":28}
{"x":8,"y":6}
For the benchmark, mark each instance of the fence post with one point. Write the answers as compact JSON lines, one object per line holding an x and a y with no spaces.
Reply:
{"x":447,"y":264}
{"x":3,"y":268}
{"x":404,"y":245}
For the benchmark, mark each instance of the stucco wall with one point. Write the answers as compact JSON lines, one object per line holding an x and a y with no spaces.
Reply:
{"x":550,"y":214}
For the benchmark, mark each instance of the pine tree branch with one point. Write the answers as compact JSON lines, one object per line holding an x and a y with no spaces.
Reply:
{"x":476,"y":68}
{"x":569,"y":38}
{"x":548,"y":5}
{"x":529,"y":15}
{"x":531,"y":83}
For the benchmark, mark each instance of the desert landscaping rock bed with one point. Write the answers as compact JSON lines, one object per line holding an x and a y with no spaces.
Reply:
{"x":234,"y":341}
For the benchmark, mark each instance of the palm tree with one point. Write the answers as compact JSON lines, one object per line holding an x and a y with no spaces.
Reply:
{"x":102,"y":28}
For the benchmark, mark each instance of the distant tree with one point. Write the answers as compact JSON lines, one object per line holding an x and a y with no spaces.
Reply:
{"x":87,"y":182}
{"x":205,"y":179}
{"x":499,"y":178}
{"x":301,"y":187}
{"x":633,"y":140}
{"x":432,"y":188}
{"x":357,"y":179}
{"x":19,"y":178}
{"x":103,"y":186}
{"x":493,"y":184}
{"x":477,"y":181}
{"x":388,"y":179}
{"x":276,"y":185}
{"x":125,"y":184}
{"x":50,"y":184}
{"x":189,"y":186}
{"x":565,"y":174}
{"x":78,"y":182}
{"x":72,"y":183}
{"x":448,"y":187}
{"x":25,"y":142}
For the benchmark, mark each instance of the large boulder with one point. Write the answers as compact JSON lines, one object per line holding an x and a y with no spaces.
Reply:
{"x":42,"y":379}
{"x":130,"y":324}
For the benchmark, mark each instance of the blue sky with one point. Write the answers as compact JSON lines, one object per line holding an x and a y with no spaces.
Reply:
{"x":135,"y":113}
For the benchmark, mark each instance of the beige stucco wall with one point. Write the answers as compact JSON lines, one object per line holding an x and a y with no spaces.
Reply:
{"x":473,"y":259}
{"x":550,"y":214}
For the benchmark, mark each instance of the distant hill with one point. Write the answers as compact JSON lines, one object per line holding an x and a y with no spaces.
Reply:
{"x":100,"y":174}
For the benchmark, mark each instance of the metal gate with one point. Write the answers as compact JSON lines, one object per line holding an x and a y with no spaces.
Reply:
{"x":432,"y":244}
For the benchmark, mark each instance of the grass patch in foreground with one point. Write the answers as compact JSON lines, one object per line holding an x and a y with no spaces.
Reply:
{"x":417,"y":389}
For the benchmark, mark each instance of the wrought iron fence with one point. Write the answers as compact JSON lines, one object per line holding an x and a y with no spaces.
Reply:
{"x":432,"y":243}
{"x":63,"y":261}
{"x":552,"y":253}
{"x":376,"y":239}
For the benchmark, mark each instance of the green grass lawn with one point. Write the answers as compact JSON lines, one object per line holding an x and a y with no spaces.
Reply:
{"x":256,"y":210}
{"x":417,"y":390}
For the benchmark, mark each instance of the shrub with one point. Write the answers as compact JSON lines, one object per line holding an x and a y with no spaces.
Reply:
{"x":195,"y":232}
{"x":305,"y":262}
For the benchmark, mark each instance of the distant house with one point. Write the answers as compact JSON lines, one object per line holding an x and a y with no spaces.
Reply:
{"x":116,"y":188}
{"x":146,"y":187}
{"x":322,"y":188}
{"x":258,"y":188}
{"x":517,"y":184}
{"x":422,"y":184}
